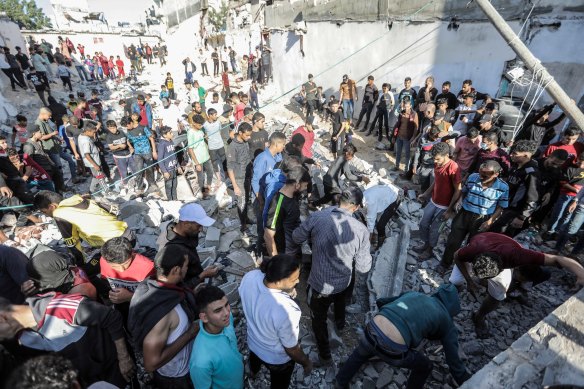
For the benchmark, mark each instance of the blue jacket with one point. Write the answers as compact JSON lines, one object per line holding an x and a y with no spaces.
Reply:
{"x":262,"y":164}
{"x":270,"y":184}
{"x":165,"y":149}
{"x":136,"y":109}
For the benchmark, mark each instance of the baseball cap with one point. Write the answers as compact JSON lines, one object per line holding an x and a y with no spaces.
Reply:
{"x":193,"y":212}
{"x":353,"y":195}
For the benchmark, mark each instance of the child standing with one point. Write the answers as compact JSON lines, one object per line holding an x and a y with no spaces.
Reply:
{"x":19,"y":132}
{"x":164,"y":94}
{"x":168,"y":162}
{"x":169,"y":82}
{"x":120,"y":66}
{"x":65,"y":75}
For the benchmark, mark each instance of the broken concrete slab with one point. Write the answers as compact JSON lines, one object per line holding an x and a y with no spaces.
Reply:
{"x":147,"y":240}
{"x":133,"y":207}
{"x":227,"y":239}
{"x":242,"y":259}
{"x":386,"y":277}
{"x":209,"y":205}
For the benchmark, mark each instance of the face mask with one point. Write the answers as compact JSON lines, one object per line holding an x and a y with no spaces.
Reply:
{"x":484,"y":146}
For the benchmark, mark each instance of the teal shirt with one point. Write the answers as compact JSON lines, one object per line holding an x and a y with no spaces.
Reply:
{"x":215,"y":360}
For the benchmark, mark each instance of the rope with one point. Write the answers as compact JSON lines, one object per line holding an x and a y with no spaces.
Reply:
{"x":263,"y":106}
{"x":15,"y":207}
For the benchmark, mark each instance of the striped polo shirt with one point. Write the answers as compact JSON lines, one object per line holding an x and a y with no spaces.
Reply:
{"x":484,"y":201}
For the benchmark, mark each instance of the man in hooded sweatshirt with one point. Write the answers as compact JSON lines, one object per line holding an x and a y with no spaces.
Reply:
{"x":182,"y":239}
{"x":398,"y":329}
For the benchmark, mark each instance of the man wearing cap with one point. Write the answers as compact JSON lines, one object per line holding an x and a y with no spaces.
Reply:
{"x":182,"y":239}
{"x":370,"y":96}
{"x":310,"y":91}
{"x":340,"y":243}
{"x":348,"y":96}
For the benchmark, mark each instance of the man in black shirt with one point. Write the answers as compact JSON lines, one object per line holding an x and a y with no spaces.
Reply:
{"x":370,"y":96}
{"x":450,"y":97}
{"x":259,"y":136}
{"x":408,"y":92}
{"x":340,"y":127}
{"x":23,"y":59}
{"x":39,"y":83}
{"x":121,"y":148}
{"x":310,"y":90}
{"x":284,"y":213}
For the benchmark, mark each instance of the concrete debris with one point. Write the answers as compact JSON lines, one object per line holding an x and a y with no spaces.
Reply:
{"x":227,"y":239}
{"x":133,"y":207}
{"x":231,"y":291}
{"x":212,"y":236}
{"x":242,"y":259}
{"x":206,"y":252}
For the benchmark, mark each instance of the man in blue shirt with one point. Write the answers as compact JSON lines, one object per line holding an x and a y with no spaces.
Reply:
{"x":484,"y":197}
{"x":263,"y":164}
{"x":215,"y":360}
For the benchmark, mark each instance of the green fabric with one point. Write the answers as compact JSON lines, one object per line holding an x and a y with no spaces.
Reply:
{"x":196,"y":139}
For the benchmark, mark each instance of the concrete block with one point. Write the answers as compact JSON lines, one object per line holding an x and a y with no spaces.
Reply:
{"x":242,"y":259}
{"x":387,"y":276}
{"x":210,"y":206}
{"x":205,"y":252}
{"x":183,"y":189}
{"x":212,"y":237}
{"x":153,"y":217}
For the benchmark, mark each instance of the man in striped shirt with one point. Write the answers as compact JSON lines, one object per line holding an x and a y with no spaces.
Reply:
{"x":340,"y":243}
{"x":484,"y":196}
{"x":284,"y":213}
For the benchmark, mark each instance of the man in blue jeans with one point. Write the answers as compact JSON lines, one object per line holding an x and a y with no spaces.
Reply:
{"x":576,"y":219}
{"x":348,"y":96}
{"x":399,"y":327}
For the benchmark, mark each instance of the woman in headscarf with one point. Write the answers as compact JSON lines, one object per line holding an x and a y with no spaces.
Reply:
{"x":51,"y":272}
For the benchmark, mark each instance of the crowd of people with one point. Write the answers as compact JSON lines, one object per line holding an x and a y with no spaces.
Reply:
{"x":107,"y":314}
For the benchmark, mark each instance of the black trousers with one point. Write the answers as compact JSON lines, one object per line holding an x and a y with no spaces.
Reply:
{"x":11,"y":74}
{"x":319,"y":305}
{"x":310,"y":107}
{"x":385,"y":218}
{"x":162,"y":382}
{"x":204,"y":69}
{"x":464,"y":223}
{"x":280,"y":375}
{"x":215,"y":68}
{"x":67,"y":82}
{"x":331,"y":193}
{"x":366,"y":109}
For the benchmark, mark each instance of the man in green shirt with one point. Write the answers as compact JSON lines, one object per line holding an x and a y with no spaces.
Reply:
{"x":199,"y":154}
{"x":202,"y":94}
{"x":398,"y":329}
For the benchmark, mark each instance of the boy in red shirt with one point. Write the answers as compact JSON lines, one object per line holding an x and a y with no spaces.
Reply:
{"x":569,"y":142}
{"x":308,"y":133}
{"x":120,"y":66}
{"x":443,"y":194}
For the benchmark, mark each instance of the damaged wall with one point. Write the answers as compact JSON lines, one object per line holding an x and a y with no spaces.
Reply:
{"x":284,"y":13}
{"x":475,"y":51}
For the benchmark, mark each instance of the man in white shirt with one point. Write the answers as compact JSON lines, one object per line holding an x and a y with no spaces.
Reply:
{"x":203,"y":58}
{"x":380,"y":203}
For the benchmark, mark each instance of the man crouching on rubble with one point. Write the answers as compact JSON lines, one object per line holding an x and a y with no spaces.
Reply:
{"x":400,"y":326}
{"x":492,"y":257}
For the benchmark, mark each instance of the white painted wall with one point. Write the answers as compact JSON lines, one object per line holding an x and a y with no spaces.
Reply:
{"x":475,"y":51}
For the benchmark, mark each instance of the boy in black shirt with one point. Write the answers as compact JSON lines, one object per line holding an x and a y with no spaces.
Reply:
{"x":168,"y":162}
{"x":120,"y":147}
{"x":340,"y":127}
{"x":284,"y":213}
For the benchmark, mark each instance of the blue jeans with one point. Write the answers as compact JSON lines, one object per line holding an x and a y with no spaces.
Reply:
{"x":123,"y":164}
{"x":558,"y":219}
{"x":405,"y":145}
{"x":430,"y":224}
{"x":570,"y":229}
{"x":348,"y":108}
{"x":41,"y":185}
{"x":373,"y":343}
{"x":71,"y":162}
{"x":82,"y":73}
